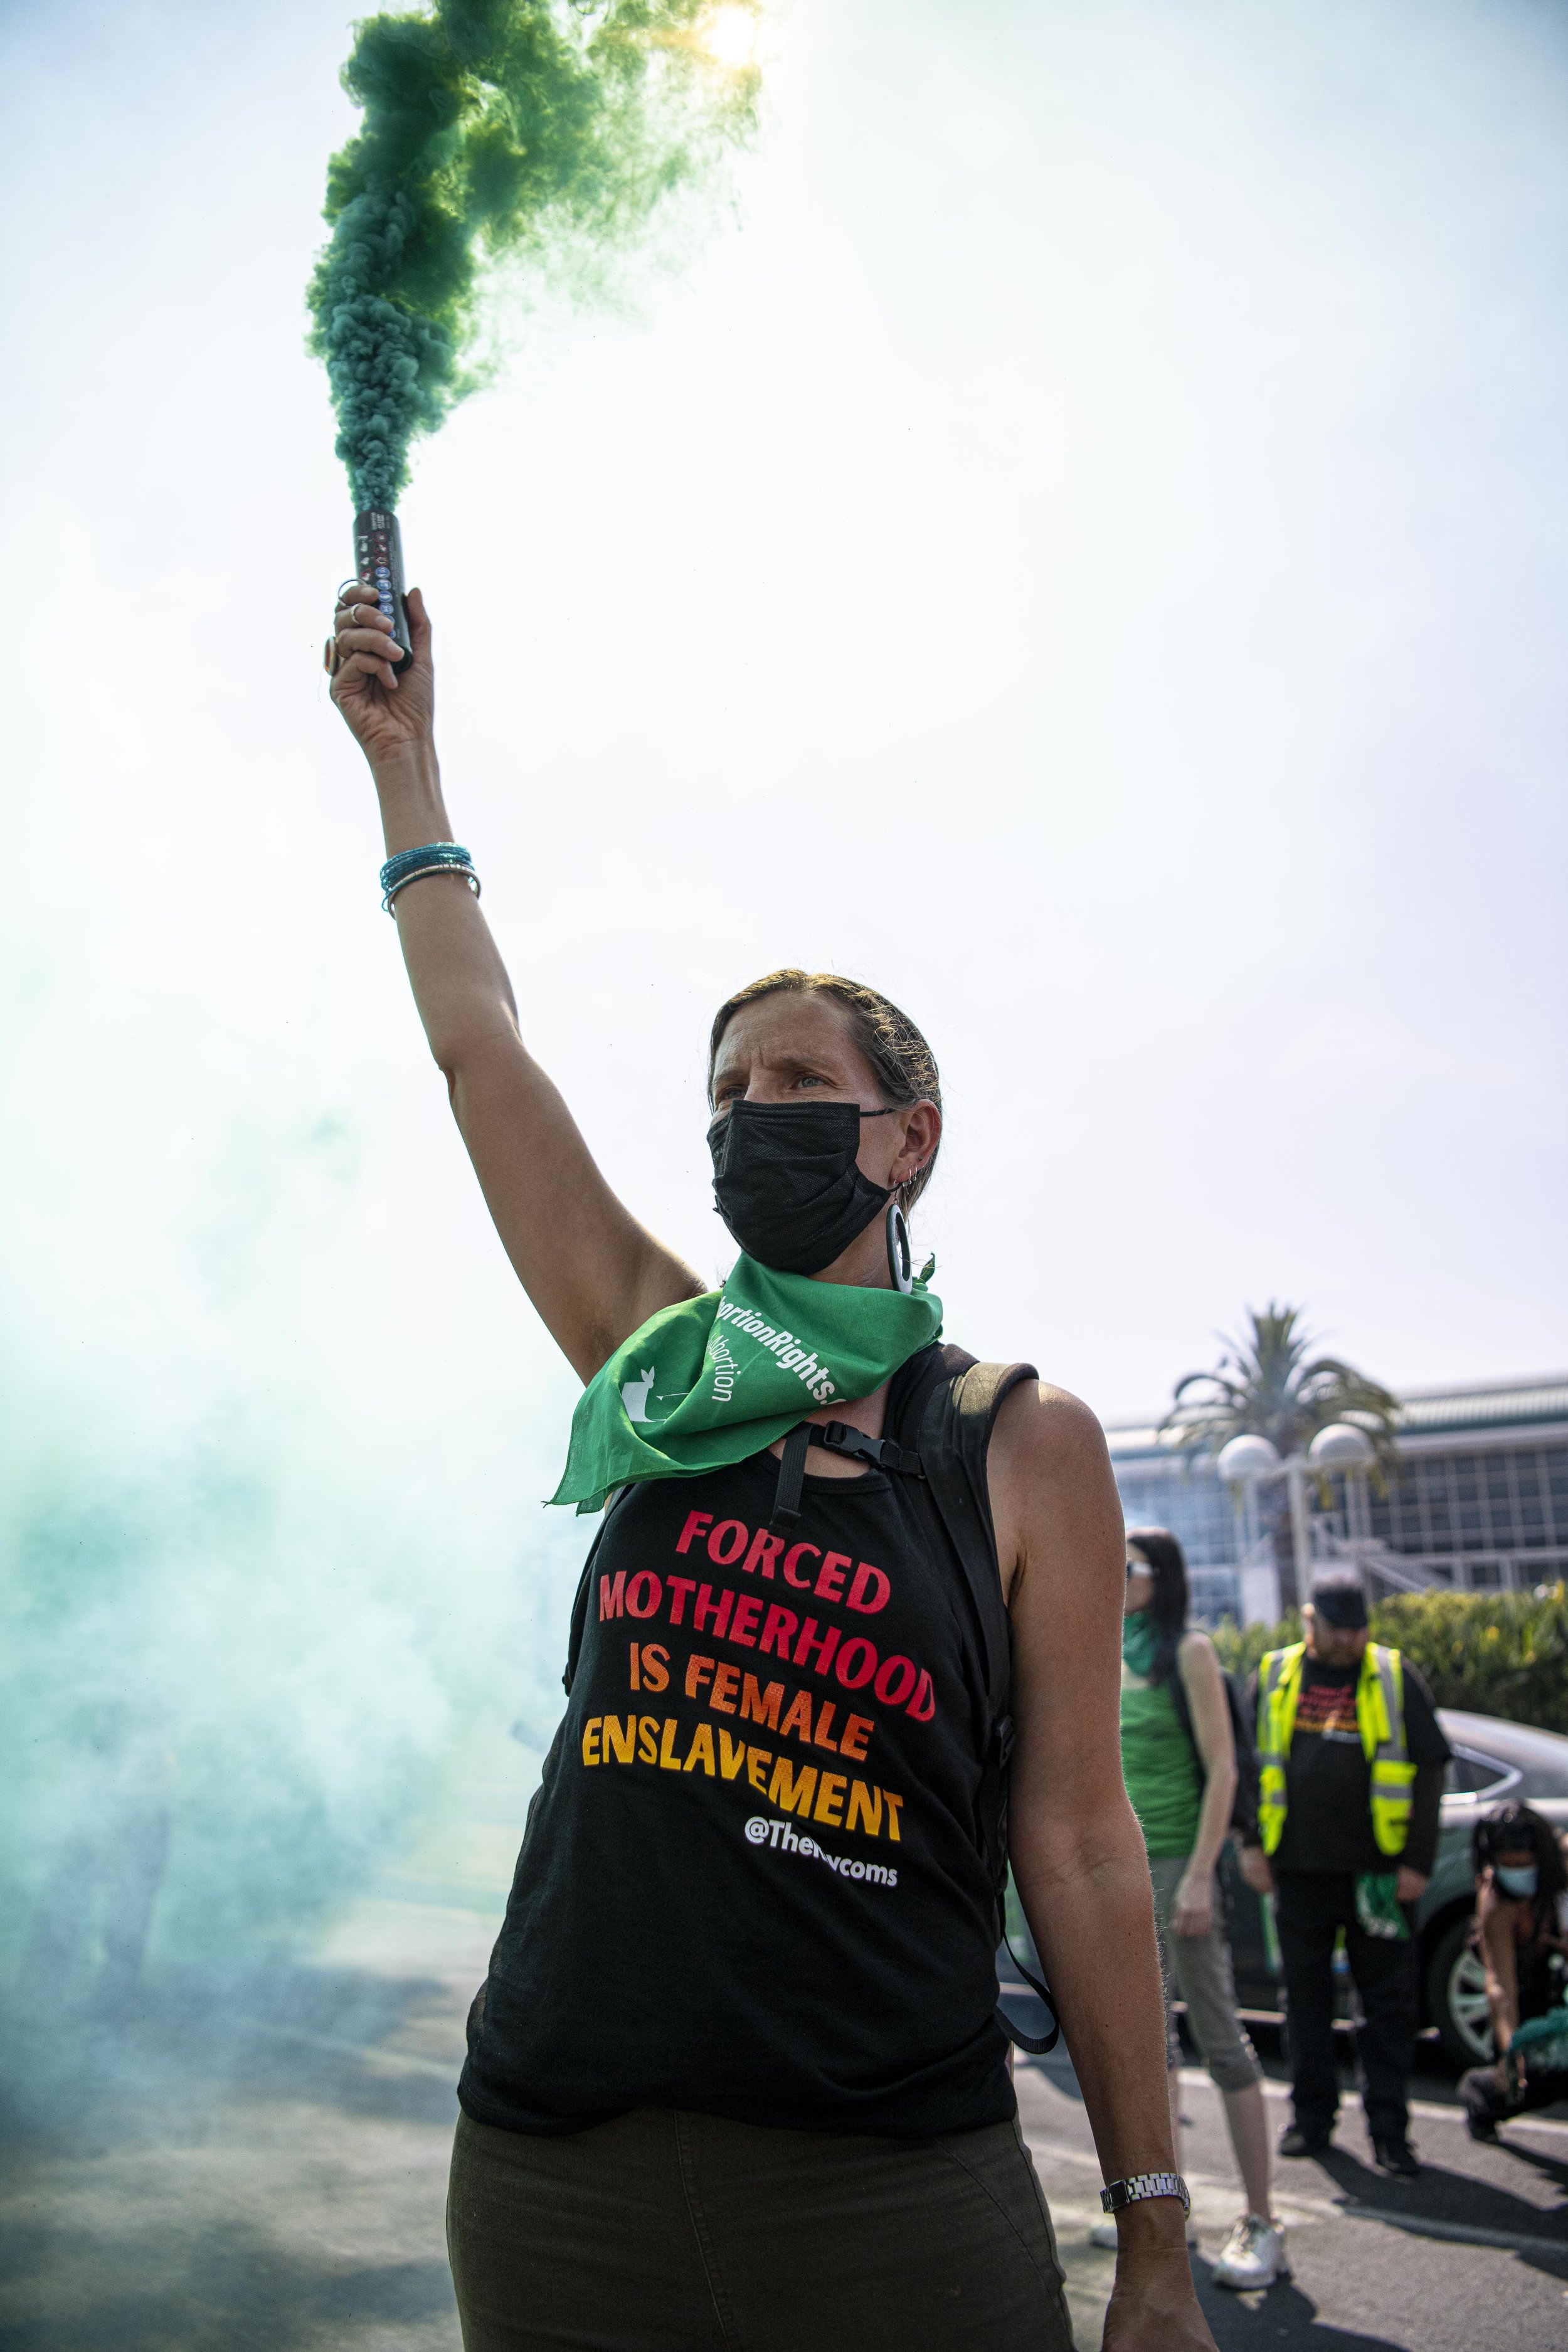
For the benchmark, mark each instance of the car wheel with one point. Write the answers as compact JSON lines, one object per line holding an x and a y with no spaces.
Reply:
{"x":1456,"y":1997}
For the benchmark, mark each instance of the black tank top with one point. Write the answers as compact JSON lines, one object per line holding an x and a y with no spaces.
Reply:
{"x":753,"y":1880}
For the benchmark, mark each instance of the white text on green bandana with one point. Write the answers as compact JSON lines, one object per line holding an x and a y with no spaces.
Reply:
{"x":713,"y":1380}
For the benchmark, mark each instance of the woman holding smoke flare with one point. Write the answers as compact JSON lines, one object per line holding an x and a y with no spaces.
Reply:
{"x":737,"y":2076}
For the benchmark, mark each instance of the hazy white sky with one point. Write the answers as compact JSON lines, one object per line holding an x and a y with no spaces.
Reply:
{"x":1082,"y":547}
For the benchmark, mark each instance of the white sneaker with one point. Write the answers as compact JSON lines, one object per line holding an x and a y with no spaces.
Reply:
{"x":1253,"y":2255}
{"x":1105,"y":2233}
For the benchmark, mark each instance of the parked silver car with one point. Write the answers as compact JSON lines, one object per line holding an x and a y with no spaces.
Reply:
{"x":1493,"y":1762}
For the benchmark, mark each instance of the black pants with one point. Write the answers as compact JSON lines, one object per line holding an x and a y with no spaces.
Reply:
{"x":675,"y":2233}
{"x":1309,"y":1907}
{"x":1489,"y":2100}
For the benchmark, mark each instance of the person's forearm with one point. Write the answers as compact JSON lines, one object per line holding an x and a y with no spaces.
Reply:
{"x":460,"y":987}
{"x":1091,"y":1909}
{"x":1502,"y":1978}
{"x":1426,"y":1816}
{"x":408,"y":787}
{"x":1214,"y":1822}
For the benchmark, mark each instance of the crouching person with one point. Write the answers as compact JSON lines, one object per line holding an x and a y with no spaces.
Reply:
{"x":1522,"y":1913}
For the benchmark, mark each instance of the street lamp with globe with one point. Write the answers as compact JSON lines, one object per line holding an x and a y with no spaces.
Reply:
{"x":1251,"y":1461}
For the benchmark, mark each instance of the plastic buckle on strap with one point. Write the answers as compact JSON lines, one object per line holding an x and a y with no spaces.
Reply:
{"x":838,"y":1437}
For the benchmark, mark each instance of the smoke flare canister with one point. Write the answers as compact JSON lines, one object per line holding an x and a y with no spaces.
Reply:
{"x":378,"y":556}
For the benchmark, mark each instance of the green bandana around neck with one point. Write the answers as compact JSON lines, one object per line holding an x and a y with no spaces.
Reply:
{"x":711,"y":1381}
{"x":1140,"y":1640}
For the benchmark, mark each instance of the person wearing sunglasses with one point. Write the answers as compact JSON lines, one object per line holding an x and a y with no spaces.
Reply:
{"x":1178,"y":1759}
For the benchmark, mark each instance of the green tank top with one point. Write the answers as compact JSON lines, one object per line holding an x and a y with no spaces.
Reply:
{"x":1162,"y":1774}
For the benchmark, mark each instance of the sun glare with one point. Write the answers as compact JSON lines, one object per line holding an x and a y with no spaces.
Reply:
{"x":730,"y":36}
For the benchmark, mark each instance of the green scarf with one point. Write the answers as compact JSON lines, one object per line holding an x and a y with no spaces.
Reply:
{"x":1377,"y":1908}
{"x":713,"y":1380}
{"x":1140,"y":1640}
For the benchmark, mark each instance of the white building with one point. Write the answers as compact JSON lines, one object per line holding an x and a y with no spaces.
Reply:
{"x":1479,"y":1502}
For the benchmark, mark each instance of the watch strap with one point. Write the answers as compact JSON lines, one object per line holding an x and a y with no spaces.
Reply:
{"x":1118,"y":2194}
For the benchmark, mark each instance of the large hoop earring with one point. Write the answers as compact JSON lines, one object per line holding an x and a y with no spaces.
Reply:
{"x":900,"y":1259}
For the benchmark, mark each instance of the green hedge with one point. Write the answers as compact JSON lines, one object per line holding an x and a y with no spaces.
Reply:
{"x":1492,"y":1653}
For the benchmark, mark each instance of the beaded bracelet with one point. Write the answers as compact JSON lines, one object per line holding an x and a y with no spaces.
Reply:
{"x":435,"y":857}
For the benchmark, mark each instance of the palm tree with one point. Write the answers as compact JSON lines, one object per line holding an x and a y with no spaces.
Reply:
{"x":1267,"y":1384}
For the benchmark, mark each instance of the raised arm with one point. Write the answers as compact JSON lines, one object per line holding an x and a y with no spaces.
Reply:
{"x":1076,"y":1850}
{"x":592,"y":1271}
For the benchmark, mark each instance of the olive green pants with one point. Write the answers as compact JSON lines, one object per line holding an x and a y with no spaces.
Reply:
{"x":666,"y":2231}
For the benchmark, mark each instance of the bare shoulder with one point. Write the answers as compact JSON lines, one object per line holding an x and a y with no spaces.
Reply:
{"x":1053,"y":1493}
{"x":1040,"y":1428}
{"x":1197,"y":1662}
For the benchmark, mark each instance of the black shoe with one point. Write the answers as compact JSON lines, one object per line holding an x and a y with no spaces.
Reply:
{"x":1398,"y":2157}
{"x":1296,"y":2140}
{"x":1481,"y":2127}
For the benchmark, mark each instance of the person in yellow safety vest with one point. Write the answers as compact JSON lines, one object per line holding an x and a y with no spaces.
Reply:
{"x":1351,"y":1758}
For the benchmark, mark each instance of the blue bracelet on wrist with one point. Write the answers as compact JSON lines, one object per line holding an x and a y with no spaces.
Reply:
{"x":435,"y":857}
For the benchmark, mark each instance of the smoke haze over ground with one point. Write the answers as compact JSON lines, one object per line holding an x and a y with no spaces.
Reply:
{"x":1085,"y":553}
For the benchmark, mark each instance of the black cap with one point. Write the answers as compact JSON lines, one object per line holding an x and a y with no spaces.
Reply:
{"x":1340,"y":1600}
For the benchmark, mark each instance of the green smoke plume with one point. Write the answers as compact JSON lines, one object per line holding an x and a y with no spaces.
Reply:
{"x":496,"y":130}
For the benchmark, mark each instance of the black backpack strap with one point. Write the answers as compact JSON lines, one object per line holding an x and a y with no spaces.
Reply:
{"x":909,"y":1390}
{"x":791,"y":1489}
{"x":955,"y":1428}
{"x":834,"y":1438}
{"x":837,"y":1437}
{"x":1243,"y":1804}
{"x":957,"y":1401}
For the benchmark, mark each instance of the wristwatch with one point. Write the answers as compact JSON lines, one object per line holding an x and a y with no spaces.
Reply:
{"x":1131,"y":2191}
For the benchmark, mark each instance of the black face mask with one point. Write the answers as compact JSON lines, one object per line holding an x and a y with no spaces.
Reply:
{"x":787,"y":1184}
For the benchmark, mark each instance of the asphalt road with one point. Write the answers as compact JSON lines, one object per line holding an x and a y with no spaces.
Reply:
{"x":1473,"y":2254}
{"x":259,"y":2166}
